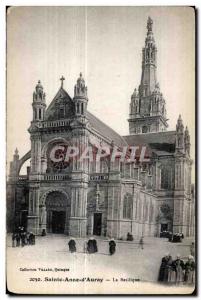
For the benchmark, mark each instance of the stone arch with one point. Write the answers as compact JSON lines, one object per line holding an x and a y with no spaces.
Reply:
{"x":55,"y":211}
{"x":51,"y":142}
{"x":45,"y":194}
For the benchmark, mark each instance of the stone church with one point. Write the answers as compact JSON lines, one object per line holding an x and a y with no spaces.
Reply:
{"x":104,"y":198}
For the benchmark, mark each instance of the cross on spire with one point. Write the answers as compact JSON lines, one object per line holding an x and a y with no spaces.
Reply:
{"x":62,"y":79}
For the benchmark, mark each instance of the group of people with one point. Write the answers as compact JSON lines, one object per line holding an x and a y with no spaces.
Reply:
{"x":91,"y":246}
{"x":174,"y":238}
{"x":177,"y":271}
{"x":21,"y":238}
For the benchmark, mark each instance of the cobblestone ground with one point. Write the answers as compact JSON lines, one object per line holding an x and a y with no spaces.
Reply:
{"x":129,"y":263}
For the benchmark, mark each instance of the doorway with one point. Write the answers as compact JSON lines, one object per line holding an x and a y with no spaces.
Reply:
{"x":58,"y":221}
{"x":164,"y":227}
{"x":97,"y":223}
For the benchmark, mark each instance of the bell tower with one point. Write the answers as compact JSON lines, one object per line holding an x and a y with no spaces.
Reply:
{"x":38,"y":104}
{"x":80,"y":97}
{"x":148,"y":107}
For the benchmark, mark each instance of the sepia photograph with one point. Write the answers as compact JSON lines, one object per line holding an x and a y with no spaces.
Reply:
{"x":100,"y":150}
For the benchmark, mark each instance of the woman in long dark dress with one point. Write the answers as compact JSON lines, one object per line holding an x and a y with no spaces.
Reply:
{"x":72,"y":245}
{"x":163,"y":272}
{"x":112,"y":246}
{"x":90,"y":246}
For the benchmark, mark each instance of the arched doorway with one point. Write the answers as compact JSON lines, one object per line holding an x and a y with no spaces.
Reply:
{"x":58,"y":212}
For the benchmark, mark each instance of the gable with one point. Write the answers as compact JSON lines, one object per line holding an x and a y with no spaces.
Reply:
{"x":61,"y":107}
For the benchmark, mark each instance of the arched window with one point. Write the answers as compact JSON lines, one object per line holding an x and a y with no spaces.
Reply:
{"x":78,"y":108}
{"x":144,"y":129}
{"x":82,"y":108}
{"x":35,"y":113}
{"x":127,"y":207}
{"x":39,"y":113}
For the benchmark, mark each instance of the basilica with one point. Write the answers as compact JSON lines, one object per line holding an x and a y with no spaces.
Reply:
{"x":104,"y":198}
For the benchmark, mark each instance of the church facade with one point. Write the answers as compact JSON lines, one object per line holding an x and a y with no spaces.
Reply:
{"x":107,"y":198}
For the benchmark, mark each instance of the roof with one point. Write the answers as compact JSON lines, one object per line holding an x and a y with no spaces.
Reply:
{"x":162,"y":141}
{"x":105,"y":130}
{"x":63,"y":98}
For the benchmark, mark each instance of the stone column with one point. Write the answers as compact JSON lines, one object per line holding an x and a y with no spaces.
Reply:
{"x":79,"y":181}
{"x":34,"y":214}
{"x":43,"y":218}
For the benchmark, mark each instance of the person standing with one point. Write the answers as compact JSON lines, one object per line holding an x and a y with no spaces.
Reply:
{"x":189,"y":276}
{"x":23,"y":234}
{"x":31,"y":239}
{"x":141,"y":242}
{"x":28,"y":238}
{"x":95,"y":247}
{"x":13,"y":239}
{"x":192,"y":249}
{"x":72,"y":245}
{"x":171,"y":274}
{"x":179,"y":266}
{"x":163,"y":271}
{"x":17,"y":239}
{"x":90,"y":246}
{"x":112,"y":246}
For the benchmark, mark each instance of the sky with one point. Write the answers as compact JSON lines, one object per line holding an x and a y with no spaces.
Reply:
{"x":105,"y":44}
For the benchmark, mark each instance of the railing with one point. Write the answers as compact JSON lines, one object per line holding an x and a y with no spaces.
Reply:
{"x":58,"y":123}
{"x":50,"y":177}
{"x":98,"y":177}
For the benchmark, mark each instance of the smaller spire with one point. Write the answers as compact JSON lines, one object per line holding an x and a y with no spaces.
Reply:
{"x":80,"y":89}
{"x":16,"y":154}
{"x":150,"y":36}
{"x":38,"y":94}
{"x":135,"y":94}
{"x":39,"y":86}
{"x":149,"y":24}
{"x":180,"y":126}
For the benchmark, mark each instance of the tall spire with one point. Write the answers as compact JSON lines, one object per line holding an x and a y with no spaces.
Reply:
{"x":147,"y":107}
{"x":148,"y":79}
